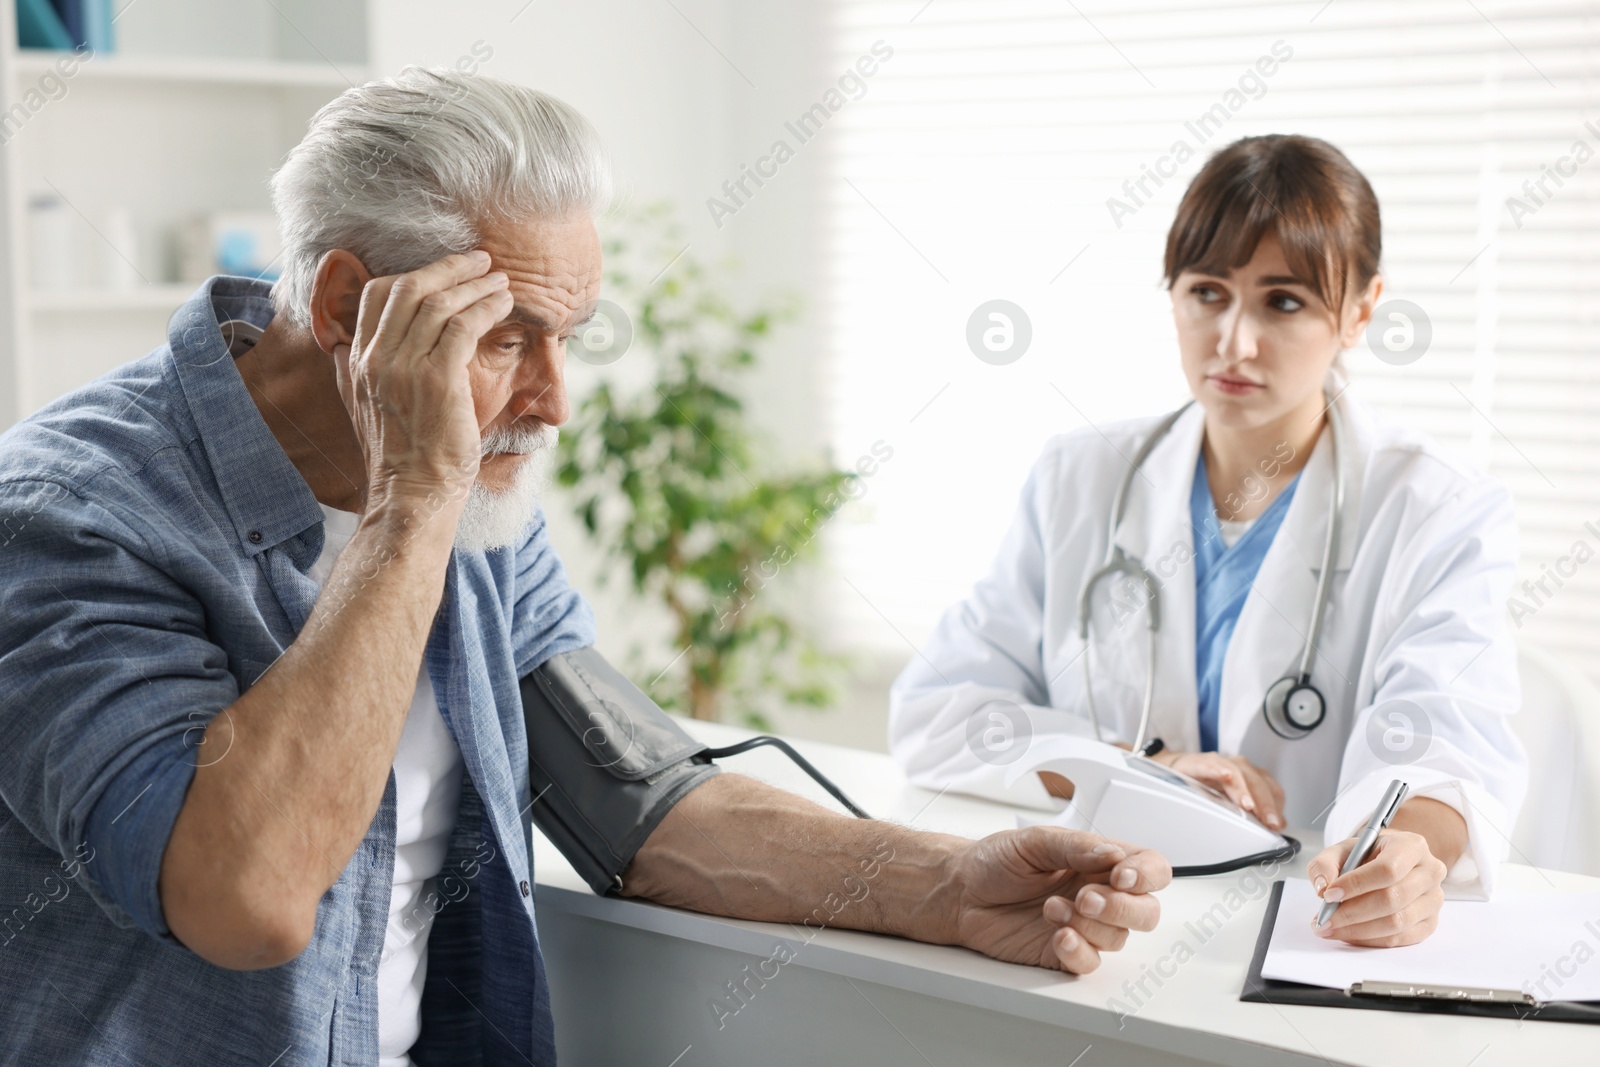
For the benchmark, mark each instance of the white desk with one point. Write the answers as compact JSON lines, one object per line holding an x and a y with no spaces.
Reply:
{"x":633,"y":983}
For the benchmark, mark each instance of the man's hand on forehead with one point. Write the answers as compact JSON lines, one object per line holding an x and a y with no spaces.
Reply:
{"x":405,"y":378}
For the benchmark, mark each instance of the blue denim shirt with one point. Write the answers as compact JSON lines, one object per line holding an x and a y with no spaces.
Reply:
{"x":154,"y":544}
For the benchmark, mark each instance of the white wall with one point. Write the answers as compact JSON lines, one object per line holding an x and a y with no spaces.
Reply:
{"x":780,"y":235}
{"x":683,"y":94}
{"x":656,"y":93}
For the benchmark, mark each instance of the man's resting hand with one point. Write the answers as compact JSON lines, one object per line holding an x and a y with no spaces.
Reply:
{"x":1054,"y":897}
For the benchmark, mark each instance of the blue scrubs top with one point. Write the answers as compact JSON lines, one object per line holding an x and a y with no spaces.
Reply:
{"x":1222,"y":578}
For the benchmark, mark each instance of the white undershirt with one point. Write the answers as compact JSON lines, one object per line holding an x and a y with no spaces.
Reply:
{"x":1233,"y":530}
{"x":427,"y":784}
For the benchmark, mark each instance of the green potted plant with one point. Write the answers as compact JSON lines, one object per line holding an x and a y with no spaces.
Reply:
{"x":667,"y":480}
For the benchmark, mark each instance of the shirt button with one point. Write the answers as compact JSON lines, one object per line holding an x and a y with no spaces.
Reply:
{"x":255,"y":537}
{"x":525,"y":890}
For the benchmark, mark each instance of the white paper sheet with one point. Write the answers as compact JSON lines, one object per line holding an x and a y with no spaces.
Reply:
{"x":1546,"y":944}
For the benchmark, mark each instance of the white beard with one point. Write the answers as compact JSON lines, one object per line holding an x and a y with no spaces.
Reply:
{"x":490,"y":519}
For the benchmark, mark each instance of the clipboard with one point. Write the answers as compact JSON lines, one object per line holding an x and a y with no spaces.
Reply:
{"x":1395,"y":996}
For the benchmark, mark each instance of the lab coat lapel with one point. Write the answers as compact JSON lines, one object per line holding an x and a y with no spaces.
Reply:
{"x":1155,"y":530}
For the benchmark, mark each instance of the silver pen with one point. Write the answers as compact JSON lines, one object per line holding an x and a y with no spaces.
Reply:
{"x":1369,"y":837}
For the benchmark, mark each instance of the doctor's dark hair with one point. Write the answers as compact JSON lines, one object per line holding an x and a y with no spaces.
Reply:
{"x":406,"y":170}
{"x":1302,"y":189}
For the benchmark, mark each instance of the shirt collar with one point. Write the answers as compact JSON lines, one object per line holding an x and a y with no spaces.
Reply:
{"x":264,"y":494}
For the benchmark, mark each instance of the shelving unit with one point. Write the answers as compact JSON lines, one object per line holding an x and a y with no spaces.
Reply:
{"x":266,"y":73}
{"x":162,"y":297}
{"x":190,"y":114}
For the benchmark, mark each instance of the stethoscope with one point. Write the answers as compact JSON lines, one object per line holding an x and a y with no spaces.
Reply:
{"x":1293,"y":707}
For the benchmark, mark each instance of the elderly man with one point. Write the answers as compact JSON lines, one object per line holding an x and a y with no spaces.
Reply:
{"x":267,"y":597}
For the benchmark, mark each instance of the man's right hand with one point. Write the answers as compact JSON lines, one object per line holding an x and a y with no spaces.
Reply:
{"x":406,"y":380}
{"x":1053,"y":897}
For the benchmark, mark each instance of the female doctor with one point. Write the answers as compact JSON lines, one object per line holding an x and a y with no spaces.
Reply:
{"x":1300,"y":704}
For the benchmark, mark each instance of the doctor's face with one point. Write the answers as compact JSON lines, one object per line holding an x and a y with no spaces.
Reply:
{"x":1257,"y":342}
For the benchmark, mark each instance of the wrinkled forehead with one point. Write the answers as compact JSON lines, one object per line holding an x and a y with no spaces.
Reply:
{"x":554,"y":267}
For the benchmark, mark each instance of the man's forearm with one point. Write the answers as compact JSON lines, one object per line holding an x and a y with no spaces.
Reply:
{"x":291,"y":774}
{"x":742,"y":848}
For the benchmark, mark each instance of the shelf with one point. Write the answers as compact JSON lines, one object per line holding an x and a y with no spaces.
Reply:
{"x":265,"y":73}
{"x":90,"y":301}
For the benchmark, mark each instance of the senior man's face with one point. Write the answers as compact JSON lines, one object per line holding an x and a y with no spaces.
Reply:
{"x":517,"y":377}
{"x":518,"y":389}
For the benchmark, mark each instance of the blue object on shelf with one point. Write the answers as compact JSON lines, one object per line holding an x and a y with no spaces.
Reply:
{"x":38,"y":26}
{"x":71,"y":14}
{"x":97,"y":26}
{"x":239,"y":252}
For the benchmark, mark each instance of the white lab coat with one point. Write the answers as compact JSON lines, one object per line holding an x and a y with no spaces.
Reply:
{"x":1415,"y":628}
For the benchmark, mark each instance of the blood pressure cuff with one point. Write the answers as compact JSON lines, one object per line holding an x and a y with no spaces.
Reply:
{"x":605,"y":763}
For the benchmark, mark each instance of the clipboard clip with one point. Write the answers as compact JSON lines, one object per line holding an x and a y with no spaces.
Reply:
{"x":1437,"y":992}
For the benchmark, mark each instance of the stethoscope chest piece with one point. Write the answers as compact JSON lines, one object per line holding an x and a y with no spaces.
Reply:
{"x":1294,"y":707}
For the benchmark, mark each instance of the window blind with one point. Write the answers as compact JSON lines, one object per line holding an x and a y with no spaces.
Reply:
{"x":1035,"y":153}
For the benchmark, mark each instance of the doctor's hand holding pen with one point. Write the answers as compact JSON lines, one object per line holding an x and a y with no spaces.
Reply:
{"x":1394,"y":894}
{"x":1393,"y":897}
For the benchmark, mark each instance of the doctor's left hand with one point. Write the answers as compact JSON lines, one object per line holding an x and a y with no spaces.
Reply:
{"x":1252,"y":788}
{"x":1390,"y":900}
{"x":1052,"y":897}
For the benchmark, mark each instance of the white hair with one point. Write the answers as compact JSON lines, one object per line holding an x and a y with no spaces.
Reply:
{"x":404,"y":171}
